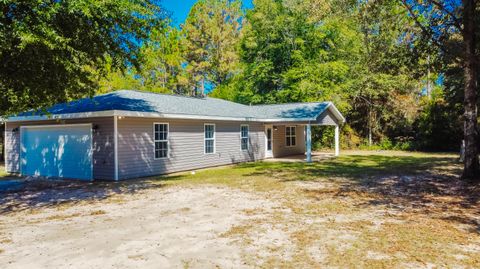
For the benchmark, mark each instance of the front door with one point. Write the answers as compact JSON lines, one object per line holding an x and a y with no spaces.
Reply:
{"x":268,"y":141}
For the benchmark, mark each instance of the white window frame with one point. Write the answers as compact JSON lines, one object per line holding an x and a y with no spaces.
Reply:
{"x":167,"y":140}
{"x":294,"y":135}
{"x":214,"y":139}
{"x":247,"y":137}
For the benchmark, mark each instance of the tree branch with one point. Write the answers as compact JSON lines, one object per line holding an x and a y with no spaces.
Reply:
{"x":455,"y":20}
{"x":422,"y":27}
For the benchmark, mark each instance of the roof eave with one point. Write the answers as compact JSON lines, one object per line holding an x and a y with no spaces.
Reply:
{"x":124,"y":113}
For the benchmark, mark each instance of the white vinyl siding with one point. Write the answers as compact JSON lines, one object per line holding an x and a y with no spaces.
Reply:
{"x":161,"y":140}
{"x":244,"y":137}
{"x":209,"y":130}
{"x":290,"y":135}
{"x":186,"y":139}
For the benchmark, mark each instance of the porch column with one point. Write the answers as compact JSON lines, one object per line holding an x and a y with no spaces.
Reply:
{"x":309,"y":143}
{"x":115,"y":147}
{"x":337,"y":140}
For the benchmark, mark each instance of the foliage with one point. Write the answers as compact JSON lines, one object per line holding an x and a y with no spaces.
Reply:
{"x":287,"y":58}
{"x":54,"y":51}
{"x":116,"y":79}
{"x":386,"y":85}
{"x":439,"y":21}
{"x":210,"y":34}
{"x":162,"y":70}
{"x":354,"y":54}
{"x":436,"y":128}
{"x":372,"y":59}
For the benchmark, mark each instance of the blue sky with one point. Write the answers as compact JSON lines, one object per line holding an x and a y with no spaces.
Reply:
{"x":180,"y":8}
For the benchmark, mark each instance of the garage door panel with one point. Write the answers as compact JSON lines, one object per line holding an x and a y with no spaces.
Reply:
{"x":57,"y":151}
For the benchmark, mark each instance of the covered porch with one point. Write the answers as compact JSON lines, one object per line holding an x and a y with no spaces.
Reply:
{"x":294,"y":137}
{"x":293,"y":142}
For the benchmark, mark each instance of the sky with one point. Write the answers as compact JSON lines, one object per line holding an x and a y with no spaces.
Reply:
{"x":180,"y":8}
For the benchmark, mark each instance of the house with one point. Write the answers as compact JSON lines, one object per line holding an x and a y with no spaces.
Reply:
{"x":129,"y":134}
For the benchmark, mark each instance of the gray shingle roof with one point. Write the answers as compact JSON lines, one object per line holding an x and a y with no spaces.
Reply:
{"x":137,"y":101}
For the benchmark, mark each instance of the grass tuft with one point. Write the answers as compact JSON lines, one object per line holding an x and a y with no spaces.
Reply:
{"x":361,"y":210}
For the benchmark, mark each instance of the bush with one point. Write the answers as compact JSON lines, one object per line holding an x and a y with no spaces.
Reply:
{"x":387,"y":144}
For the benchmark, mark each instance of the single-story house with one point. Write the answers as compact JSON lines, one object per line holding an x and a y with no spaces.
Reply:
{"x":129,"y":134}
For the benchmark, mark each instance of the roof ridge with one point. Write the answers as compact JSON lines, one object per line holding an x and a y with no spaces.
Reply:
{"x":295,"y":103}
{"x":176,"y":95}
{"x":208,"y":97}
{"x":160,"y":93}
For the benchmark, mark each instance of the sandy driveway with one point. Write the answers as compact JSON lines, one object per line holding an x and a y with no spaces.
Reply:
{"x":161,"y":228}
{"x":359,"y":211}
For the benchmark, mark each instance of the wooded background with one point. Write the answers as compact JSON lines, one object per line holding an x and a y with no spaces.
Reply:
{"x":399,"y":70}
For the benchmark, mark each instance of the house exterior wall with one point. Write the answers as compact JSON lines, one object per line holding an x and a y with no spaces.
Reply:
{"x":326,"y":118}
{"x":103,"y":144}
{"x":186,"y":146}
{"x":280,"y":148}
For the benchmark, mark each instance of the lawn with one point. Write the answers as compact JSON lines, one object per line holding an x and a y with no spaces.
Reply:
{"x":361,"y":210}
{"x":364,"y":209}
{"x":3,"y":173}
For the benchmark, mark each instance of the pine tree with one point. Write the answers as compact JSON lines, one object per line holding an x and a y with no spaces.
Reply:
{"x":211,"y":32}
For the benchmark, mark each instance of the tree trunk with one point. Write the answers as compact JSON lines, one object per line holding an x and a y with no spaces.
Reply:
{"x":370,"y":142}
{"x":203,"y":88}
{"x":2,"y":142}
{"x":429,"y":86}
{"x":471,"y":166}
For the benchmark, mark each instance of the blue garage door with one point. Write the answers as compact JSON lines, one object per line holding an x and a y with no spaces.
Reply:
{"x":57,"y":151}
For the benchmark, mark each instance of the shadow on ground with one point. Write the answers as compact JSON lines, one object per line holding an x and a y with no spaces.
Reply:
{"x":29,"y":194}
{"x":424,"y":184}
{"x":414,"y":184}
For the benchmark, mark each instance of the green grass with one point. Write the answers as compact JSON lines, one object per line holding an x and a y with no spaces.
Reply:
{"x":3,"y":173}
{"x":425,"y":213}
{"x":409,"y":207}
{"x":355,"y":167}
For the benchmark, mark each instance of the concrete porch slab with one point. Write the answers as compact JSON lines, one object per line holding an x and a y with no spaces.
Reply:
{"x":316,"y":157}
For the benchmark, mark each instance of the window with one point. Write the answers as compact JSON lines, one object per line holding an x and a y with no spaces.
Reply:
{"x":244,"y":137}
{"x":161,"y":140}
{"x":209,"y":138}
{"x":290,"y":134}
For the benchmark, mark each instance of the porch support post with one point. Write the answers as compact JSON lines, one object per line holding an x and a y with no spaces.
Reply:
{"x":337,"y":140}
{"x":115,"y":147}
{"x":309,"y":143}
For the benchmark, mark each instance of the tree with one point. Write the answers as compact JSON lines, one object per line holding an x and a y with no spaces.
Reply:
{"x":436,"y":127}
{"x":211,"y":32}
{"x":162,"y":70}
{"x":117,"y":79}
{"x":287,"y":57}
{"x":386,"y":84}
{"x":439,"y":20}
{"x":351,"y":54}
{"x":55,"y":51}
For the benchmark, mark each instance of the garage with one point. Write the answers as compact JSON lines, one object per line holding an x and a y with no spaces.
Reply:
{"x":63,"y":151}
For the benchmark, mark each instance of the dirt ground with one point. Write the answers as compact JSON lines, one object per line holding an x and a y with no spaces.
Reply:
{"x":394,"y":210}
{"x":161,"y":228}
